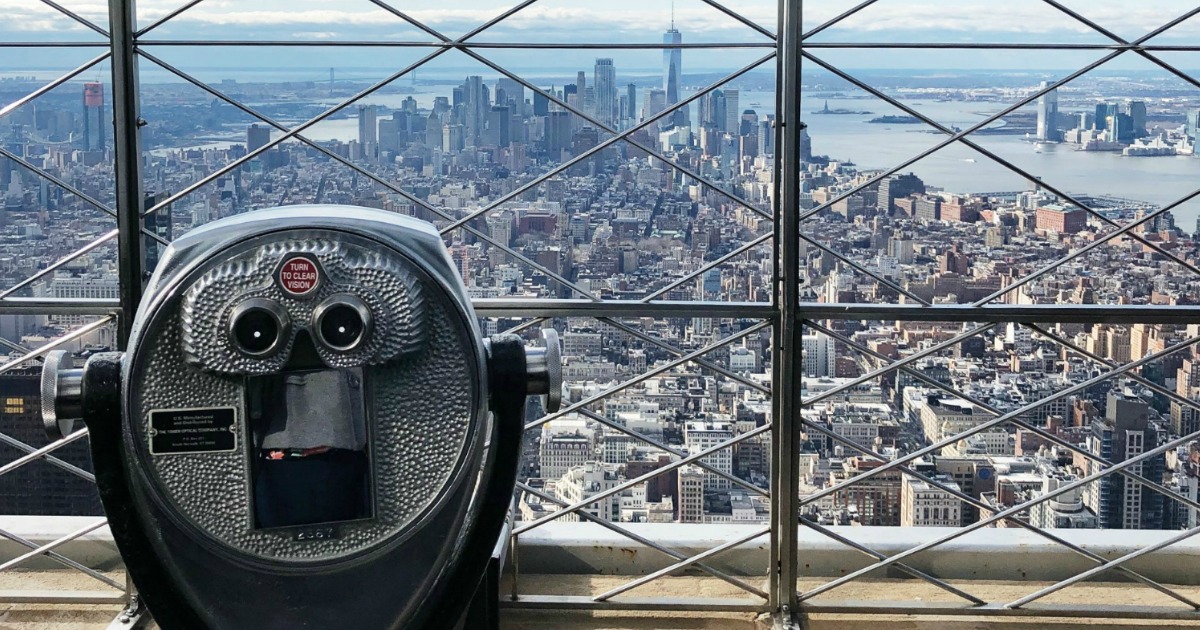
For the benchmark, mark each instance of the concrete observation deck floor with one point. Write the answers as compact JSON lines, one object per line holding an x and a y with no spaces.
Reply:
{"x":98,"y":616}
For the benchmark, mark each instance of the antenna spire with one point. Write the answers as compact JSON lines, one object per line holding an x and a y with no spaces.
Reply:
{"x":672,"y":14}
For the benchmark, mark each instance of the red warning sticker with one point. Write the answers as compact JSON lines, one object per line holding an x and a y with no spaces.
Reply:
{"x":299,"y":275}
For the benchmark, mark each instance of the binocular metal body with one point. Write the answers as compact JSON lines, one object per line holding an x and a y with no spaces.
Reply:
{"x":307,"y":428}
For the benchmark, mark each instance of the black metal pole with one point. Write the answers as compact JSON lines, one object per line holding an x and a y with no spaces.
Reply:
{"x":131,"y":256}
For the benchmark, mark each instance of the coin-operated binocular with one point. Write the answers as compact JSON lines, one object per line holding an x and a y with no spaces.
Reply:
{"x":306,"y":429}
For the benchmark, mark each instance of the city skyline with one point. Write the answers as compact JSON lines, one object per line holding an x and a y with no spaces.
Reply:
{"x":536,"y":201}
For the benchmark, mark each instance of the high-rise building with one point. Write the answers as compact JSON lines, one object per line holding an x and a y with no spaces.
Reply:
{"x":368,"y":130}
{"x":1137,"y":116}
{"x":690,"y":495}
{"x":558,"y":133}
{"x":257,"y":136}
{"x":712,"y":110}
{"x":1184,"y":418}
{"x":1061,"y":219}
{"x":514,"y":95}
{"x":653,"y":102}
{"x":733,"y":115}
{"x":475,"y":109}
{"x":94,"y":123}
{"x":605,"y":79}
{"x":924,"y":505}
{"x":558,"y":454}
{"x":702,"y":435}
{"x":453,"y":137}
{"x":673,"y":77}
{"x":499,"y":126}
{"x":897,"y":187}
{"x":1125,"y":431}
{"x":541,"y":104}
{"x":631,"y":98}
{"x":587,"y":480}
{"x":157,"y":223}
{"x":1047,"y":115}
{"x":1193,"y":123}
{"x":819,"y":355}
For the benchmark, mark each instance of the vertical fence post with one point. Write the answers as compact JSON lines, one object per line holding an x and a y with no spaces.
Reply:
{"x":787,"y":344}
{"x":127,"y":149}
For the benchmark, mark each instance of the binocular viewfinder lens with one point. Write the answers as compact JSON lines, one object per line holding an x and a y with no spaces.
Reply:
{"x":342,"y":322}
{"x":258,"y":326}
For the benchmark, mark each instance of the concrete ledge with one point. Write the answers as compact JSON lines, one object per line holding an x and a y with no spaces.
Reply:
{"x":95,"y":549}
{"x":1011,"y":555}
{"x":1015,"y":555}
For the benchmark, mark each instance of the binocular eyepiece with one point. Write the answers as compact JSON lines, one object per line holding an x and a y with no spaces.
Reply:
{"x":306,"y":426}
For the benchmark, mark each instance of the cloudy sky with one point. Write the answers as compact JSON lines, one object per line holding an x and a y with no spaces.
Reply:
{"x":620,"y":21}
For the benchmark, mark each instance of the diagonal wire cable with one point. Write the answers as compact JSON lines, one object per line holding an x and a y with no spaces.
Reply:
{"x":41,"y":452}
{"x":998,"y":516}
{"x":834,"y":21}
{"x":962,"y":138}
{"x":67,"y":466}
{"x":861,"y":269}
{"x":972,"y":500}
{"x":1133,"y":476}
{"x":71,"y":336}
{"x":692,"y":275}
{"x":28,"y":98}
{"x":673,"y":451}
{"x":50,"y":546}
{"x":60,"y":263}
{"x":892,"y":367}
{"x":75,"y":16}
{"x":740,"y":18}
{"x":166,"y":18}
{"x":679,"y":463}
{"x":741,"y":540}
{"x":375,"y":87}
{"x":1093,"y":245}
{"x":997,"y":421}
{"x":648,"y":374}
{"x":1016,"y":520}
{"x":629,"y":330}
{"x":482,"y":235}
{"x":867,"y":183}
{"x":625,"y":135}
{"x":63,"y":560}
{"x":643,"y":540}
{"x":1115,"y":563}
{"x":917,"y":573}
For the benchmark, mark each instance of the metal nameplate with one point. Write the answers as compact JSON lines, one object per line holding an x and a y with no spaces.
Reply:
{"x":187,"y":431}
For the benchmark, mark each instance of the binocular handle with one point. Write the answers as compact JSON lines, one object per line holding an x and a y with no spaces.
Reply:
{"x":62,"y":395}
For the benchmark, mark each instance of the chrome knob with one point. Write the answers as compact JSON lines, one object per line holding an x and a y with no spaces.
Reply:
{"x":544,"y":366}
{"x":62,"y":395}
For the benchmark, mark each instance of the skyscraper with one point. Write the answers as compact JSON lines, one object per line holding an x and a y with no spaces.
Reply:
{"x":475,"y":109}
{"x":514,"y":95}
{"x":733,"y":115}
{"x":367,"y":127}
{"x":1047,"y":115}
{"x":257,"y":136}
{"x":1193,"y":123}
{"x":672,"y":75}
{"x":631,"y":95}
{"x":605,"y":80}
{"x":93,"y":116}
{"x":499,"y":126}
{"x":1125,"y":431}
{"x":653,"y":102}
{"x":1137,"y":113}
